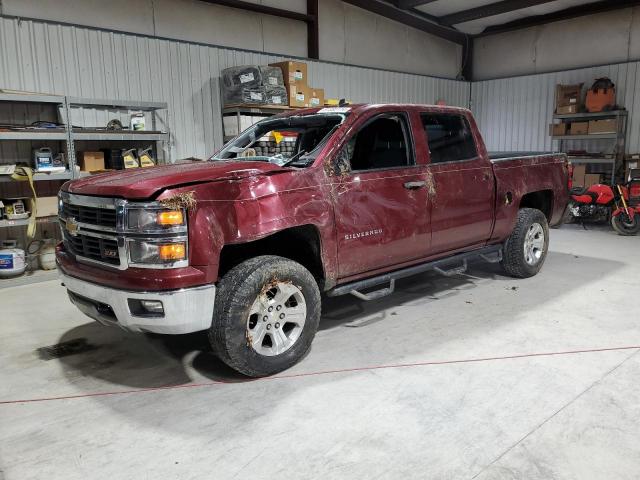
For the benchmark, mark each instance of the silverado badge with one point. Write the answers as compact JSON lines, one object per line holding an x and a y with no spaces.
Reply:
{"x":72,"y":226}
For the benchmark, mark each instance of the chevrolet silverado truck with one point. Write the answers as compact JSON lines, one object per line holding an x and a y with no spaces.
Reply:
{"x":324,"y":201}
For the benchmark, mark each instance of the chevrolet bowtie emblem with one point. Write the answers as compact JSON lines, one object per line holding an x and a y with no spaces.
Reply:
{"x":72,"y":226}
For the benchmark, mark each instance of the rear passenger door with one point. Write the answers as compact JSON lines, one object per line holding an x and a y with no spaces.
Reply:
{"x":463,"y":204}
{"x":380,"y":197}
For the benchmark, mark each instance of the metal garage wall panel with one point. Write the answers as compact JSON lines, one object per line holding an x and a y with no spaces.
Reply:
{"x":86,"y":62}
{"x":514,"y":113}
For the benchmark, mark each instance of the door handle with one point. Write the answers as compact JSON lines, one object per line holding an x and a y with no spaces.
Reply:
{"x":414,"y":185}
{"x":486,"y":176}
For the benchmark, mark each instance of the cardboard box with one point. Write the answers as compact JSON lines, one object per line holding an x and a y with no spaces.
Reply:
{"x":230,"y":124}
{"x":91,"y":161}
{"x":603,"y":126}
{"x":298,"y":96}
{"x":579,"y":171}
{"x":579,"y":128}
{"x":568,"y":109}
{"x":316,"y":97}
{"x":631,"y":167}
{"x":568,"y":95}
{"x":557,"y":129}
{"x":46,"y":207}
{"x":592,"y":179}
{"x":294,"y":73}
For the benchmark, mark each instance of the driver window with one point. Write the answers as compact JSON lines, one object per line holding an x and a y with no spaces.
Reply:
{"x":381,"y":143}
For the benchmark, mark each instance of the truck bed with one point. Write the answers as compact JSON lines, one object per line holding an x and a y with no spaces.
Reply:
{"x":497,"y":156}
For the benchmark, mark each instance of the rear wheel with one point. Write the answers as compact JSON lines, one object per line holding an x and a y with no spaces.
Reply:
{"x":526,"y":249}
{"x":266,"y":314}
{"x":624,"y":225}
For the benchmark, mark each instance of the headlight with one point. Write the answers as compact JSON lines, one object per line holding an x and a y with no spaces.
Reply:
{"x":158,"y":253}
{"x":155,"y":219}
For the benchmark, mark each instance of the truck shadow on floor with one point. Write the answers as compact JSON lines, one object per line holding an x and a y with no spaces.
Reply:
{"x":348,"y":311}
{"x":147,"y":361}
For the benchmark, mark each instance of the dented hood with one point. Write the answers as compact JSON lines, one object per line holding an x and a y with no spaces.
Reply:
{"x":144,"y":183}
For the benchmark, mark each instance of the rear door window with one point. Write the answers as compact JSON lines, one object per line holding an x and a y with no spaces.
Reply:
{"x":449,"y":137}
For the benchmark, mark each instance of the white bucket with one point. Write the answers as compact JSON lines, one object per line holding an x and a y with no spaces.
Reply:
{"x":47,"y":255}
{"x":12,"y":262}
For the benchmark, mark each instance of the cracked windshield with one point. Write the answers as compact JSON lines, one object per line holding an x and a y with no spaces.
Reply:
{"x":289,"y":141}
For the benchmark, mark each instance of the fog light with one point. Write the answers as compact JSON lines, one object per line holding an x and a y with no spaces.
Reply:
{"x":172,"y":251}
{"x":157,"y":254}
{"x":152,"y":306}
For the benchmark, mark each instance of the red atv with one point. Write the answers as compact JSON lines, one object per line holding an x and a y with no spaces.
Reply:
{"x":619,"y":204}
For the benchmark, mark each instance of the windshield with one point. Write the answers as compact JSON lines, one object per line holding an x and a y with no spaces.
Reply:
{"x":293,"y":140}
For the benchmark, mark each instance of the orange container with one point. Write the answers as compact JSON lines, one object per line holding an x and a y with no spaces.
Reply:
{"x":601,"y":99}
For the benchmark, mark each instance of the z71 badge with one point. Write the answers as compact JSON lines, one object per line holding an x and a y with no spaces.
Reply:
{"x":109,"y":253}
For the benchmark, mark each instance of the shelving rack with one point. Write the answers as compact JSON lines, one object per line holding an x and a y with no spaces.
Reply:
{"x":38,"y":135}
{"x":70,"y":135}
{"x":89,"y":134}
{"x":620,"y":137}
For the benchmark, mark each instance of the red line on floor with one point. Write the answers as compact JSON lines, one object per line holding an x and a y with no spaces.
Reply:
{"x":322,"y":372}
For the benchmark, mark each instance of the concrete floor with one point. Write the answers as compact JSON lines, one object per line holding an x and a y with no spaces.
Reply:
{"x":541,"y":416}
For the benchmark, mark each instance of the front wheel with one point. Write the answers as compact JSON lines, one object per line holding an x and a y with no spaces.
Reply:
{"x":624,"y":225}
{"x":526,"y":249}
{"x":267,"y":311}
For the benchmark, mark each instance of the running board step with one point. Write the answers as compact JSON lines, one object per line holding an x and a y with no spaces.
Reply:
{"x":495,"y":257}
{"x":491,"y":254}
{"x":452,"y":271}
{"x":383,"y":292}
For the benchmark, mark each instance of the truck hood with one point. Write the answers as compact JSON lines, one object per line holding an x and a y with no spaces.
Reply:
{"x":144,"y":183}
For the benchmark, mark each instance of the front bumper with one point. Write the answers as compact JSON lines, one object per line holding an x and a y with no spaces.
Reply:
{"x":185,"y":311}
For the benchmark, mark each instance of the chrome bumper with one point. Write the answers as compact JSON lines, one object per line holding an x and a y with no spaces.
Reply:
{"x":185,"y":311}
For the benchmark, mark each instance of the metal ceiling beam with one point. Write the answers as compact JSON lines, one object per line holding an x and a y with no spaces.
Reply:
{"x":258,"y":8}
{"x":405,"y":4}
{"x":310,"y":18}
{"x":566,"y":14}
{"x":489,"y":10}
{"x":313,"y":30}
{"x":409,"y":18}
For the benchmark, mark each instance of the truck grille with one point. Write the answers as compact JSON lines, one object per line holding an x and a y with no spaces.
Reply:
{"x":102,"y":217}
{"x":89,"y":227}
{"x":94,"y":248}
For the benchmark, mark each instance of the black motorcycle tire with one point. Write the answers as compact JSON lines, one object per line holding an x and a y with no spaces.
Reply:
{"x":623,"y":225}
{"x":568,"y":216}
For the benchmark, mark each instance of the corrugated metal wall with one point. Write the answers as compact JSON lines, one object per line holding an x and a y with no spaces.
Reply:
{"x":515,"y":113}
{"x":85,"y":62}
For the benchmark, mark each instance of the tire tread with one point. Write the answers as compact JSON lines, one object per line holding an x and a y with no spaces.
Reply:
{"x":232,"y":291}
{"x":513,"y":256}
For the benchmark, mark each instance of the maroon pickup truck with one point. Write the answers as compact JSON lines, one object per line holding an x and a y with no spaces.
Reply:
{"x":333,"y":201}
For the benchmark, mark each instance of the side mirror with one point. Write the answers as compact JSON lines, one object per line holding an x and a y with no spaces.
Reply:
{"x":341,"y":162}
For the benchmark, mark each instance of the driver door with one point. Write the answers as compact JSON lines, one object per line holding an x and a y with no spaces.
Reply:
{"x":380,"y":197}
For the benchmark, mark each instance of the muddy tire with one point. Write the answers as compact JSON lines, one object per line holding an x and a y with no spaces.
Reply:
{"x":623,"y":225}
{"x":526,"y":249}
{"x":267,"y":311}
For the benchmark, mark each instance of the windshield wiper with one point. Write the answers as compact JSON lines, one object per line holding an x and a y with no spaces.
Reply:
{"x":294,"y":158}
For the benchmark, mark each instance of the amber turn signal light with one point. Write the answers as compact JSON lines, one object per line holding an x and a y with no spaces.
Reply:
{"x":172,"y":251}
{"x":170,"y":217}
